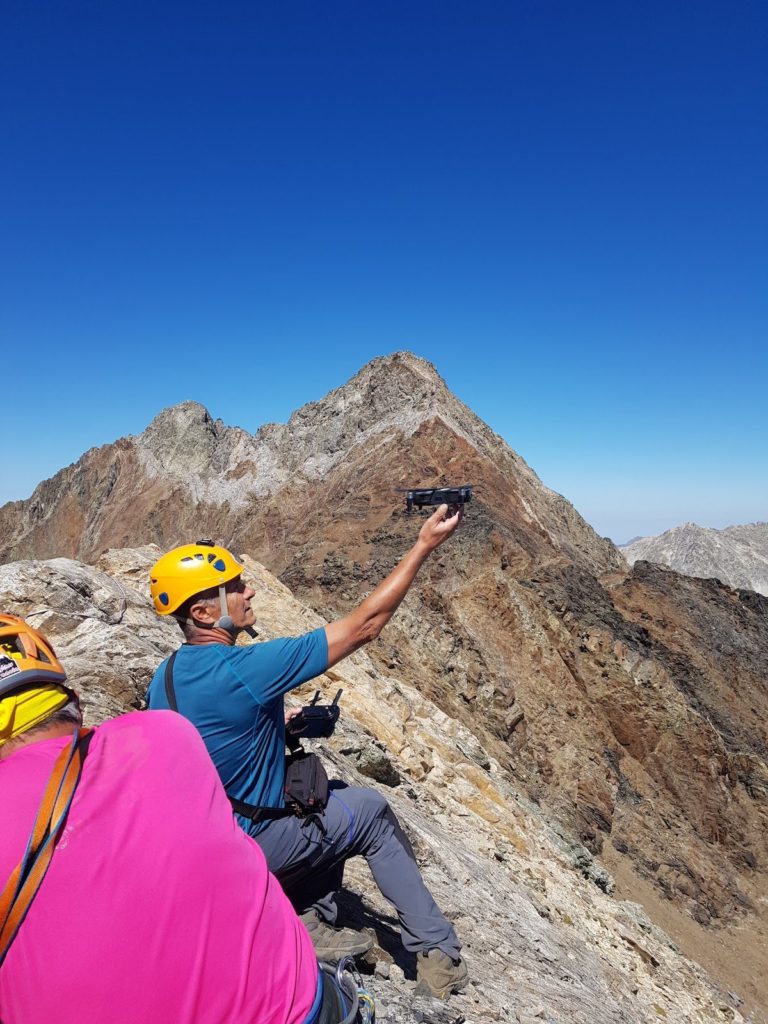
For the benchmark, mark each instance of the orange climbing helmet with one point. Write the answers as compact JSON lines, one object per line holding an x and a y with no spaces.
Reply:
{"x":189,"y":570}
{"x":32,"y":680}
{"x":26,"y":657}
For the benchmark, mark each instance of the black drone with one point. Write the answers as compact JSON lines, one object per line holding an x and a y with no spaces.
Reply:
{"x":418,"y":497}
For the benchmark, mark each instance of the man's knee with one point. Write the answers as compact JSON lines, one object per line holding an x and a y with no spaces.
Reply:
{"x":375,"y":802}
{"x":365,"y":809}
{"x":359,"y":798}
{"x":370,"y":818}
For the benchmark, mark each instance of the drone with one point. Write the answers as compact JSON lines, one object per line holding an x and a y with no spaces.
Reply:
{"x":418,"y":497}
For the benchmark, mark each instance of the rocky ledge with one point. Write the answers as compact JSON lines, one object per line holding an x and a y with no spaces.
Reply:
{"x":545,"y":939}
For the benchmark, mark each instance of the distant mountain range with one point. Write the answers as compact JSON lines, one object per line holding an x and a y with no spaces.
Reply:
{"x":736,"y":555}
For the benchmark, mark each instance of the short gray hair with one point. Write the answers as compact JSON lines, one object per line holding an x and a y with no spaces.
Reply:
{"x":68,"y":714}
{"x":208,"y":597}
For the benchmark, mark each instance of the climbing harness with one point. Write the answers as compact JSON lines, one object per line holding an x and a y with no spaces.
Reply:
{"x":358,"y":1001}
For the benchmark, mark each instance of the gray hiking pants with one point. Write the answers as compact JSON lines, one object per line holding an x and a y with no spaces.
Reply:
{"x":310,"y":865}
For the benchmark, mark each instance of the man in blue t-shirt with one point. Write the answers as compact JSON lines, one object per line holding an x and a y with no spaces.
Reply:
{"x":234,"y":696}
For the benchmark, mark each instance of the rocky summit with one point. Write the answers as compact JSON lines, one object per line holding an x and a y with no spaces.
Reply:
{"x":736,"y":555}
{"x":534,"y":700}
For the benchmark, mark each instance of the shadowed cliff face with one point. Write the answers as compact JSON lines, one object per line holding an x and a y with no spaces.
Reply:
{"x":631,"y":704}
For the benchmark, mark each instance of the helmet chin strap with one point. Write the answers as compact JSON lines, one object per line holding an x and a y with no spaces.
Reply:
{"x":225,"y":621}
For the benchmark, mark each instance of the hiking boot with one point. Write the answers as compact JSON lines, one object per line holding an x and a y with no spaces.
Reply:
{"x":438,"y":974}
{"x":333,"y":944}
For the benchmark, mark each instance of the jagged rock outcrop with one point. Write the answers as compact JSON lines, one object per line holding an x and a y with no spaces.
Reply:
{"x":80,"y":608}
{"x":736,"y":555}
{"x":629,"y":703}
{"x":544,"y":939}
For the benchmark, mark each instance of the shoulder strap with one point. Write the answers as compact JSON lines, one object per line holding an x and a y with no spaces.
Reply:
{"x":20,"y":890}
{"x":170,"y":692}
{"x":257,"y":814}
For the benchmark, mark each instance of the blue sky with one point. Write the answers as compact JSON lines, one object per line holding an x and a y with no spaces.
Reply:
{"x":561,"y":205}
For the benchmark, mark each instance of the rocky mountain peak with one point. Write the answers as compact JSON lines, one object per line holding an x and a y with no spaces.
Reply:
{"x":394,"y":394}
{"x":395,"y":421}
{"x":184,"y":442}
{"x":391,"y":394}
{"x":179,"y":419}
{"x":180,"y":440}
{"x":736,"y":555}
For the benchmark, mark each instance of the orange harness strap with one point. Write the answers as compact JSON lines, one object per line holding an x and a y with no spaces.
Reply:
{"x":26,"y":877}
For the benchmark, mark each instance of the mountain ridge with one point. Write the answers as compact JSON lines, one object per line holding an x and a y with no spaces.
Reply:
{"x":544,"y":938}
{"x":735,"y":555}
{"x":628,"y":701}
{"x":185,"y":450}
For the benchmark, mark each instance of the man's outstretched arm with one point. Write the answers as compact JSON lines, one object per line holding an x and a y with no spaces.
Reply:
{"x":367,"y":621}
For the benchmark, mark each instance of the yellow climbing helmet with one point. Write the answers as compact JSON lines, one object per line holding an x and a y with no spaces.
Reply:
{"x":31,"y":678}
{"x":190,"y":570}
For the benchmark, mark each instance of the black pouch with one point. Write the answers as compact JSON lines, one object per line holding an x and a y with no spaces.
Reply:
{"x":306,"y":783}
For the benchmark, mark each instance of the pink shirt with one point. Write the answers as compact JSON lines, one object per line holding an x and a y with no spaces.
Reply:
{"x":156,"y":908}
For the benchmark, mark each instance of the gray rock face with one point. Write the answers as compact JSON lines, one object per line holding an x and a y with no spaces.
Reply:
{"x":543,"y":938}
{"x":736,"y":555}
{"x":99,"y":625}
{"x":210,"y":461}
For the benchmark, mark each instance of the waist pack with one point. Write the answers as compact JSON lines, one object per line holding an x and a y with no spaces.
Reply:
{"x":306,"y":781}
{"x":305,"y":791}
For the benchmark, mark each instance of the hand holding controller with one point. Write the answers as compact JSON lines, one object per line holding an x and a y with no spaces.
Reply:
{"x":315,"y":721}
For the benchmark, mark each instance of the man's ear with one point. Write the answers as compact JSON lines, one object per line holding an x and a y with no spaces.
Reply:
{"x":202,"y":612}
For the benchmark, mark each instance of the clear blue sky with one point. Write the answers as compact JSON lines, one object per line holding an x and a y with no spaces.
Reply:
{"x":562,"y":205}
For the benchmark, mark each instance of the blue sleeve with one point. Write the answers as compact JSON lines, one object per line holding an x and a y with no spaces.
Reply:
{"x":271,"y":669}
